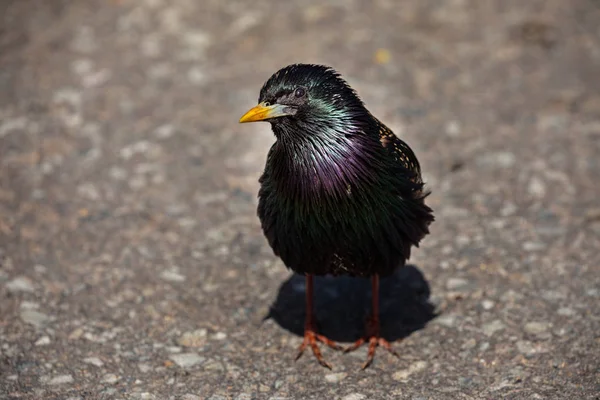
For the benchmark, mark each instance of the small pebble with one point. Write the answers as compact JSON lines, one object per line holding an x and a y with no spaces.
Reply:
{"x":453,"y":128}
{"x":220,"y":336}
{"x":164,"y":131}
{"x":354,"y":396}
{"x":29,"y":305}
{"x":82,"y":66}
{"x":20,"y":284}
{"x":219,"y":397}
{"x":197,"y":40}
{"x":144,"y":367}
{"x":487,"y":304}
{"x":117,"y":173}
{"x":34,"y":318}
{"x":12,"y":124}
{"x":537,"y":188}
{"x":186,"y":360}
{"x":469,"y":344}
{"x":89,"y":192}
{"x":553,"y":295}
{"x":195,"y":338}
{"x":110,"y":378}
{"x":539,"y":329}
{"x":146,"y":396}
{"x":502,"y":159}
{"x":456,"y":284}
{"x":566,"y":312}
{"x":526,"y":347}
{"x":172,"y":276}
{"x":508,"y":210}
{"x":76,"y":334}
{"x":243,"y":23}
{"x":96,"y":79}
{"x":561,"y":331}
{"x":448,"y":320}
{"x":415,"y":367}
{"x":533,"y":246}
{"x":462,"y":240}
{"x":335,"y":378}
{"x":191,"y":397}
{"x":263,"y":388}
{"x":196,"y":76}
{"x":94,"y":361}
{"x":61,"y":380}
{"x":510,"y":296}
{"x":492,"y":327}
{"x":43,"y":341}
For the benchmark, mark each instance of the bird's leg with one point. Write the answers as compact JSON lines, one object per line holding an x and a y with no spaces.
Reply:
{"x":372,"y":335}
{"x":311,"y":337}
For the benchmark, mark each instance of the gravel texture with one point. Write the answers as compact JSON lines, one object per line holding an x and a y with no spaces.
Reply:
{"x":132,"y":265}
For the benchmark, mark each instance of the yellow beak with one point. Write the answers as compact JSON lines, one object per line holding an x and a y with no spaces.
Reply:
{"x":263,"y":112}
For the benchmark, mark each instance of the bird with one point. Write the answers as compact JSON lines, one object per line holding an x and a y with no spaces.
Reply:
{"x":340,"y":193}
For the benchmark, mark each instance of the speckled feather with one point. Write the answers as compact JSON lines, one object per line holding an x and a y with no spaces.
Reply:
{"x":340,"y":193}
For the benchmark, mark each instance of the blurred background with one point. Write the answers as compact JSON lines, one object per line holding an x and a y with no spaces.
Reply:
{"x":132,"y":264}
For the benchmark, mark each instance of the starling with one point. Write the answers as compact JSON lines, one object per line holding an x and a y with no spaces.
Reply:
{"x":340,"y":193}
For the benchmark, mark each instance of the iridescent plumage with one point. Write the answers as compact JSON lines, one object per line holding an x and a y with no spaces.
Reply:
{"x":340,"y":193}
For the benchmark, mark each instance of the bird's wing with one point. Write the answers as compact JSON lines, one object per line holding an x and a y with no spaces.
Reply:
{"x":400,"y":151}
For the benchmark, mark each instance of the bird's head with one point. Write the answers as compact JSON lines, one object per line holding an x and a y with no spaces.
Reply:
{"x":308,"y":99}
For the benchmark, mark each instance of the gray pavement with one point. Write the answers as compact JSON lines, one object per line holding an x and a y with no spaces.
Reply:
{"x":132,"y":265}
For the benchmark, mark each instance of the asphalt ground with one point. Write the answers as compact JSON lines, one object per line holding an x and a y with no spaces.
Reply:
{"x":132,"y":264}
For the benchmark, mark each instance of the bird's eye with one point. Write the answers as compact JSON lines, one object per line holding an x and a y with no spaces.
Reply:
{"x":300,"y":92}
{"x":267,"y":104}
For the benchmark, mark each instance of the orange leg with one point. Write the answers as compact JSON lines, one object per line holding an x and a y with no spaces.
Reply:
{"x":372,"y":335}
{"x":311,"y":337}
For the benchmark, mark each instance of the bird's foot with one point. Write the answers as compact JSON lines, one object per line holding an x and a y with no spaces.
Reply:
{"x":374,"y":339}
{"x":310,"y":339}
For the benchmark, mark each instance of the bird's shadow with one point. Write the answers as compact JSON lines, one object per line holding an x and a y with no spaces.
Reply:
{"x":342,"y":305}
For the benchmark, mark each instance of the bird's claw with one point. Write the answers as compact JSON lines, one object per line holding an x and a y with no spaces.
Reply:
{"x":374,"y":339}
{"x":310,"y":339}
